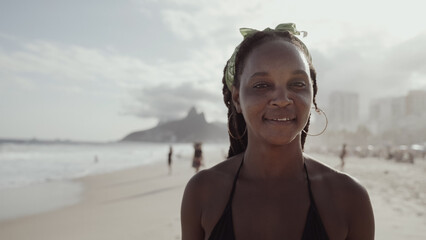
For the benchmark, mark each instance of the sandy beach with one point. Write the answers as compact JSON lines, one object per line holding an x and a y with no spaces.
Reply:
{"x":144,"y":202}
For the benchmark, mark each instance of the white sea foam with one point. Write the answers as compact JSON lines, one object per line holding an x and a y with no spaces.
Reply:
{"x":23,"y":164}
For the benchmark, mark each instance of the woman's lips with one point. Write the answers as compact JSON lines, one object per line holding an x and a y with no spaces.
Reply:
{"x":280,"y":119}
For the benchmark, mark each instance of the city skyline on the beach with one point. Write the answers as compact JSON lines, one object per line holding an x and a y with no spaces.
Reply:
{"x":390,"y":120}
{"x":99,"y":70}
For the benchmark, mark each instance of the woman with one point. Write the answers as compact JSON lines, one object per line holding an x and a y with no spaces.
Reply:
{"x":197,"y":161}
{"x":268,"y":189}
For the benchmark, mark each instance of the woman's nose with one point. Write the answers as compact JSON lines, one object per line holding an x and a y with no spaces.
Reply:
{"x":281,"y":98}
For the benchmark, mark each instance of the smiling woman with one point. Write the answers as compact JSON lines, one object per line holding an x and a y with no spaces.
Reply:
{"x":268,"y":188}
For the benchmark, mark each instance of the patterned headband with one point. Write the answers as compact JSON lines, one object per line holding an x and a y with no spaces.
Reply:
{"x":247,"y":32}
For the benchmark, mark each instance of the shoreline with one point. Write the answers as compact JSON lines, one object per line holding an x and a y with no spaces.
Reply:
{"x":26,"y":165}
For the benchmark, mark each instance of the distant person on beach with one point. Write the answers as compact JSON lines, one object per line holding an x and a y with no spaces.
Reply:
{"x":197,"y":161}
{"x":169,"y":160}
{"x":342,"y":156}
{"x":268,"y":188}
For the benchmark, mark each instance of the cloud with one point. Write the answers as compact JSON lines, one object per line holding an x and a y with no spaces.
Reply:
{"x":409,"y":56}
{"x":166,"y":89}
{"x":167,"y":102}
{"x":208,"y":20}
{"x":371,"y":69}
{"x":70,"y":65}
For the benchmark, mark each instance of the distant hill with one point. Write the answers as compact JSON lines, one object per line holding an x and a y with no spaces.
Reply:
{"x":192,"y":128}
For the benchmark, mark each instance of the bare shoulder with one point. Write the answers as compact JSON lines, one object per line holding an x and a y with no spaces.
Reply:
{"x":214,"y":178}
{"x":340,"y":183}
{"x":347,"y":195}
{"x":204,"y":188}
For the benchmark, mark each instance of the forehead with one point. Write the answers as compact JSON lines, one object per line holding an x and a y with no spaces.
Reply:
{"x":276,"y":55}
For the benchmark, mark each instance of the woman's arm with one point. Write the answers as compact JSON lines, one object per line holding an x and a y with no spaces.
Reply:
{"x":191,"y":210}
{"x":361,"y":218}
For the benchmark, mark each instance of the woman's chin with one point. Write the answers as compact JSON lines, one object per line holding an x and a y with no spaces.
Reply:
{"x":281,"y":139}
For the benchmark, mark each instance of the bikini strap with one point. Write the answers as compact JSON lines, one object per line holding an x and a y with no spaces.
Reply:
{"x":311,"y":196}
{"x":234,"y":183}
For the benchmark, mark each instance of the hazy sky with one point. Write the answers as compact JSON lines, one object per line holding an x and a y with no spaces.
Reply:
{"x":97,"y":70}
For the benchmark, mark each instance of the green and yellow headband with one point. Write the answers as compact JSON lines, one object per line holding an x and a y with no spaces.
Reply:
{"x":246,"y":32}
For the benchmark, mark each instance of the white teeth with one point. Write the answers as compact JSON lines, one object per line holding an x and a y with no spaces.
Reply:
{"x":282,"y":119}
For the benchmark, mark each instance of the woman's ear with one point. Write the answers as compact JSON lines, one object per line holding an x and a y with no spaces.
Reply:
{"x":236,"y":98}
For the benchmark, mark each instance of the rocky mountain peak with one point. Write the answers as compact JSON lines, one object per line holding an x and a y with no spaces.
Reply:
{"x":192,"y":128}
{"x":195,"y":116}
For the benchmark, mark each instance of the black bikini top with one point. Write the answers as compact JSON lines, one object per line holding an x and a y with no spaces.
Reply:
{"x":314,"y":228}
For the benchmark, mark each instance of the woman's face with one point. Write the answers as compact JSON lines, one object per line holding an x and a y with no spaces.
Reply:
{"x":275,"y":93}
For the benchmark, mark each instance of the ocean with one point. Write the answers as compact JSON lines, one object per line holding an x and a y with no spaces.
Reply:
{"x":23,"y":164}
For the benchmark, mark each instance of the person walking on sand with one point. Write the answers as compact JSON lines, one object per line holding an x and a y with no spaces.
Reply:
{"x":342,"y":156}
{"x":169,"y":160}
{"x":197,"y":161}
{"x":268,"y":188}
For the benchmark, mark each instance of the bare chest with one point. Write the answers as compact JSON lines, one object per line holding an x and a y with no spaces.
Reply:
{"x":270,"y":212}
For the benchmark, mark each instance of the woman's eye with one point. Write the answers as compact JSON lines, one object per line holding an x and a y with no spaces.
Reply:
{"x":261,"y":85}
{"x":299,"y":84}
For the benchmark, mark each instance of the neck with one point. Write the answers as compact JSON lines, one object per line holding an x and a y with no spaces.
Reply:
{"x":272,"y":161}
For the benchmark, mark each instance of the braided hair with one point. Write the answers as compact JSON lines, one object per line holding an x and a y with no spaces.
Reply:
{"x":236,"y":123}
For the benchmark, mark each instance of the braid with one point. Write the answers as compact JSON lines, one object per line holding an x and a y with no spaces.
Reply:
{"x":236,"y":122}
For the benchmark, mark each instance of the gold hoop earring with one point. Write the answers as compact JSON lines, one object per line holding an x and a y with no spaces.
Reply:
{"x":229,"y":131}
{"x":320,"y":112}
